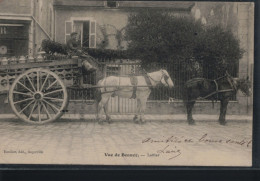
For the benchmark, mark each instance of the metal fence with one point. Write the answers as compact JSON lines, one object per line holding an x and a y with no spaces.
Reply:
{"x":131,"y":68}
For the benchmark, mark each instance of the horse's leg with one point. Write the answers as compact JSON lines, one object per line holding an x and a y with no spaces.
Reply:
{"x":189,"y":106}
{"x":143,"y":101}
{"x":101,"y":105}
{"x":99,"y":108}
{"x":108,"y":118}
{"x":98,"y":102}
{"x":138,"y":110}
{"x":223,"y":111}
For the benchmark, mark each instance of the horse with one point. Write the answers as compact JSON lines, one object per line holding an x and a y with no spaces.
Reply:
{"x":123,"y":87}
{"x":221,"y":89}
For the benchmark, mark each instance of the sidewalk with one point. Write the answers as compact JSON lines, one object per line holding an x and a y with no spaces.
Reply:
{"x":150,"y":117}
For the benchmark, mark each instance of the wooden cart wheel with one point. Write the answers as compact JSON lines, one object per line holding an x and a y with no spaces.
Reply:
{"x":38,"y":96}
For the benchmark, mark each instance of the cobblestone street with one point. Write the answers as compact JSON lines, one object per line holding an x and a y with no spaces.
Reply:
{"x":154,"y":143}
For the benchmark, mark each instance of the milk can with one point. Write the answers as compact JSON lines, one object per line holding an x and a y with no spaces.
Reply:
{"x":22,"y":59}
{"x":4,"y":61}
{"x":30,"y":59}
{"x":13,"y":60}
{"x":40,"y":57}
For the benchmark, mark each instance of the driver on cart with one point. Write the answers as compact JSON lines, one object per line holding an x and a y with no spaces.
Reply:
{"x":74,"y":49}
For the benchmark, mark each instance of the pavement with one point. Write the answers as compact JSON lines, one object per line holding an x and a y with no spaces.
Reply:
{"x":164,"y":117}
{"x":162,"y":140}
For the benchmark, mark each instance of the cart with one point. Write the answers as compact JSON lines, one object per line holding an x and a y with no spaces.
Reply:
{"x":37,"y":91}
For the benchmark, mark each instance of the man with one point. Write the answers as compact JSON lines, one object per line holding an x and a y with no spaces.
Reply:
{"x":72,"y":44}
{"x":74,"y":50}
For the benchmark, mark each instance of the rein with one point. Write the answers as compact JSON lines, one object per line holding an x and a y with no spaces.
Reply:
{"x":231,"y":82}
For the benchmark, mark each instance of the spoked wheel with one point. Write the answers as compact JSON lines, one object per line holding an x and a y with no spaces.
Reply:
{"x":38,"y":96}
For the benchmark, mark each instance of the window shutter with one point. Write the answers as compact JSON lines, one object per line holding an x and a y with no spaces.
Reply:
{"x":68,"y":30}
{"x":92,"y":34}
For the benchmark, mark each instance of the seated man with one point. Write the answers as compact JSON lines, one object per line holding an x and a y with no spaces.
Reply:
{"x":75,"y":50}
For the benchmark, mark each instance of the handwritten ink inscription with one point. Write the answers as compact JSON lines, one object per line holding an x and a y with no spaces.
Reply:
{"x":203,"y":139}
{"x":169,"y":146}
{"x":174,"y":152}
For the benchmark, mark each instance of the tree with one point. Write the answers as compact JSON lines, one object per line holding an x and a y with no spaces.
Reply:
{"x":159,"y":37}
{"x":218,"y":51}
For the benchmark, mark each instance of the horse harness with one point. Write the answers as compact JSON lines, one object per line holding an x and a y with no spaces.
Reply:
{"x":149,"y":78}
{"x":231,"y":83}
{"x":134,"y":83}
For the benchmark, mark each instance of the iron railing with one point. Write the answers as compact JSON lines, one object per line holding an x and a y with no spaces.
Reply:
{"x":130,"y":68}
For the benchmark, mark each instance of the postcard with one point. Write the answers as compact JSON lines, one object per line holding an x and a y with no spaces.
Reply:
{"x":151,"y":83}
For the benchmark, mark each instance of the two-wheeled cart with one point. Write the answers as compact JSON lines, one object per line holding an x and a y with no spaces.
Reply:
{"x":37,"y":91}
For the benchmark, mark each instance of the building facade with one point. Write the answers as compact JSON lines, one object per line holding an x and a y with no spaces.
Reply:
{"x":23,"y":25}
{"x":101,"y":24}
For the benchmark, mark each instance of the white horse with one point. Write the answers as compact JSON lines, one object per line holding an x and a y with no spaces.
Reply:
{"x":122,"y":87}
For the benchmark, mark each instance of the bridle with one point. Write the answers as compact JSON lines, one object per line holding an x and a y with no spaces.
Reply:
{"x":243,"y":87}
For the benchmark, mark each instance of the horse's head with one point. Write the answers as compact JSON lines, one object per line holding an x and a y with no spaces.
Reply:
{"x":166,"y":79}
{"x":244,"y":85}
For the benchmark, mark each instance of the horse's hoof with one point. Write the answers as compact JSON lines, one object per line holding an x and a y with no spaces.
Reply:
{"x":108,"y":120}
{"x":191,"y":122}
{"x":222,"y":123}
{"x":142,"y":121}
{"x":135,"y":119}
{"x":100,"y":122}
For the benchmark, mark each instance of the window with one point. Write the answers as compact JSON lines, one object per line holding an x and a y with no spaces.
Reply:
{"x":86,"y":30}
{"x":3,"y":30}
{"x":14,"y":39}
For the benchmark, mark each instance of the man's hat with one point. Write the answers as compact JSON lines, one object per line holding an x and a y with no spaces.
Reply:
{"x":73,"y":33}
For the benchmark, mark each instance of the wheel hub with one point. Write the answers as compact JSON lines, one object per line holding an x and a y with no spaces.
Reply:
{"x":38,"y":96}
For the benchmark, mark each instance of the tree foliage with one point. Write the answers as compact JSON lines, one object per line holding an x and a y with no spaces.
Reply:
{"x":157,"y":36}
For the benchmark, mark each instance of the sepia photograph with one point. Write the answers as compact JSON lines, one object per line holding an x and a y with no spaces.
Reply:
{"x":126,"y":83}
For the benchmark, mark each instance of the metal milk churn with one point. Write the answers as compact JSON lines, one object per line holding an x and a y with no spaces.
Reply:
{"x":40,"y":57}
{"x":4,"y":61}
{"x":30,"y":58}
{"x":22,"y":59}
{"x":13,"y":60}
